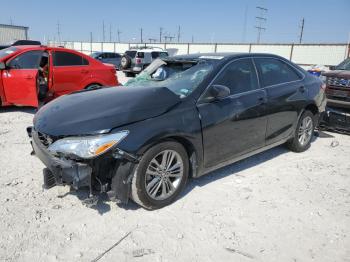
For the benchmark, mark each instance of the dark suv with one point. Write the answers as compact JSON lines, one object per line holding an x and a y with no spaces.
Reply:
{"x":190,"y":115}
{"x":337,"y":115}
{"x":338,"y":85}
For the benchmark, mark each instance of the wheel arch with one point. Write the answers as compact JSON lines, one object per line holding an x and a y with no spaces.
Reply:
{"x":93,"y":83}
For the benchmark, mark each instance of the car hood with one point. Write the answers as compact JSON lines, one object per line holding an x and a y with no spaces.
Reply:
{"x":337,"y":73}
{"x":99,"y":111}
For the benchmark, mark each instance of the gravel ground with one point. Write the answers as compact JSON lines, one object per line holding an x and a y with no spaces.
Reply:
{"x":275,"y":206}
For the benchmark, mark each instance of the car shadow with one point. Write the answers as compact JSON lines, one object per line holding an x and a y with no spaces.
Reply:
{"x":235,"y":168}
{"x":10,"y":109}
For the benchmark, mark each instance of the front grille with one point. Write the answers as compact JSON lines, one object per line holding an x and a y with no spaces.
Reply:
{"x":45,"y":140}
{"x":337,"y":81}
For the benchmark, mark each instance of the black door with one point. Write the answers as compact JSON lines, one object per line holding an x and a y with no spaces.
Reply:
{"x":236,"y":124}
{"x":285,"y":96}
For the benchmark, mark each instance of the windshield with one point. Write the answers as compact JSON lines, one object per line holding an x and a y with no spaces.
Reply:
{"x":345,"y":65}
{"x":7,"y":51}
{"x":96,"y":54}
{"x":180,"y":77}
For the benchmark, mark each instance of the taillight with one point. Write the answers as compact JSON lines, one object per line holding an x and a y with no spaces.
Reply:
{"x":138,"y":61}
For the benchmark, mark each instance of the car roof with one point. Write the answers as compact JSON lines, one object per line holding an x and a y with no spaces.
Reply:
{"x":148,"y":50}
{"x":221,"y":56}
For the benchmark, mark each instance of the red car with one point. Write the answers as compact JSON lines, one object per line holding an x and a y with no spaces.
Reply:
{"x":29,"y":74}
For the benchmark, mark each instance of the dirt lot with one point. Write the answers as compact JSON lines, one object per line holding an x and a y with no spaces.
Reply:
{"x":276,"y":206}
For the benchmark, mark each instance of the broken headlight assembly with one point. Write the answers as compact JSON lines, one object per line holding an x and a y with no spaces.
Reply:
{"x":87,"y":147}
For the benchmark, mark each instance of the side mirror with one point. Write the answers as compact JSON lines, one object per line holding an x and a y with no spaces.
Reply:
{"x":2,"y":65}
{"x":219,"y":91}
{"x":332,"y":67}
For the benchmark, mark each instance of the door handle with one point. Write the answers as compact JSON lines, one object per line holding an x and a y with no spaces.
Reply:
{"x":29,"y":77}
{"x":302,"y":89}
{"x":84,"y":71}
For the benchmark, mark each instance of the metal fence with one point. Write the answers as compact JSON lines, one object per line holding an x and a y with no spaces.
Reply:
{"x":302,"y":54}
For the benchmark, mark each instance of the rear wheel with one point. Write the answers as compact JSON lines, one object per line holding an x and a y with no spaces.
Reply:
{"x":160,"y":175}
{"x":303,"y":133}
{"x":92,"y":86}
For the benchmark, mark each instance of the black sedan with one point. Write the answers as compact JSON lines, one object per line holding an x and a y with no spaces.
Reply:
{"x":183,"y":117}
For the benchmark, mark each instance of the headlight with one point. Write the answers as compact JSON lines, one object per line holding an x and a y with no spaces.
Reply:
{"x":88,"y":146}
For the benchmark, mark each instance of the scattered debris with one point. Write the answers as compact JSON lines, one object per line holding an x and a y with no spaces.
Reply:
{"x":240,"y":252}
{"x":4,"y":132}
{"x":335,"y":143}
{"x":109,"y":249}
{"x":57,"y":207}
{"x":142,"y":252}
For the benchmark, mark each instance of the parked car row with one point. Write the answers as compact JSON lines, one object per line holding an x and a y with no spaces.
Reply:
{"x":183,"y":117}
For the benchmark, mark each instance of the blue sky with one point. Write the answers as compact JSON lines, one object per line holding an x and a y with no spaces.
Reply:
{"x":206,"y":20}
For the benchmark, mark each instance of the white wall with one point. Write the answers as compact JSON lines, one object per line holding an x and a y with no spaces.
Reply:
{"x":323,"y":54}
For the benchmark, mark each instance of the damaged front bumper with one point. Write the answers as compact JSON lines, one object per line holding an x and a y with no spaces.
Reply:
{"x":110,"y":173}
{"x":336,"y":119}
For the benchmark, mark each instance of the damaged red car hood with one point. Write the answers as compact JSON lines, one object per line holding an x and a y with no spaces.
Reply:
{"x":99,"y":111}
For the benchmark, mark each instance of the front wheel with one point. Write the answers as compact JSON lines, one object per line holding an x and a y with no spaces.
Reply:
{"x":160,"y":175}
{"x":303,"y":133}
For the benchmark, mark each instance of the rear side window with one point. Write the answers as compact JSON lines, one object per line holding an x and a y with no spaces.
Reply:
{"x":61,"y":58}
{"x":131,"y":54}
{"x":155,"y":54}
{"x":273,"y":71}
{"x":140,"y":55}
{"x":27,"y":60}
{"x":239,"y":76}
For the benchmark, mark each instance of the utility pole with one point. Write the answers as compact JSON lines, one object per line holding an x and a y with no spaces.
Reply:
{"x":58,"y":32}
{"x":192,"y":39}
{"x":160,"y":34}
{"x":91,"y":42}
{"x":178,"y":34}
{"x":301,"y":30}
{"x":141,"y":35}
{"x":103,"y":31}
{"x":110,"y":32}
{"x":260,"y":20}
{"x":118,"y":32}
{"x":152,"y":40}
{"x":244,"y":34}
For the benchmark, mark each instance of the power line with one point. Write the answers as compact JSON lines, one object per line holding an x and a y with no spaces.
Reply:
{"x":301,"y":30}
{"x":260,"y":21}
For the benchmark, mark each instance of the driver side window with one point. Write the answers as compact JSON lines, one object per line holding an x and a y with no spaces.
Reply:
{"x":27,"y":60}
{"x":239,"y":76}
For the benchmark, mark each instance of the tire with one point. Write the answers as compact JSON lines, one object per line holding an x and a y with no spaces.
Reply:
{"x":125,"y":62}
{"x":92,"y":86}
{"x":150,"y":190}
{"x":306,"y":127}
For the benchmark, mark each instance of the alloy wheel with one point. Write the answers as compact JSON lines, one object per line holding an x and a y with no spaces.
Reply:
{"x":164,"y":174}
{"x":305,"y":131}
